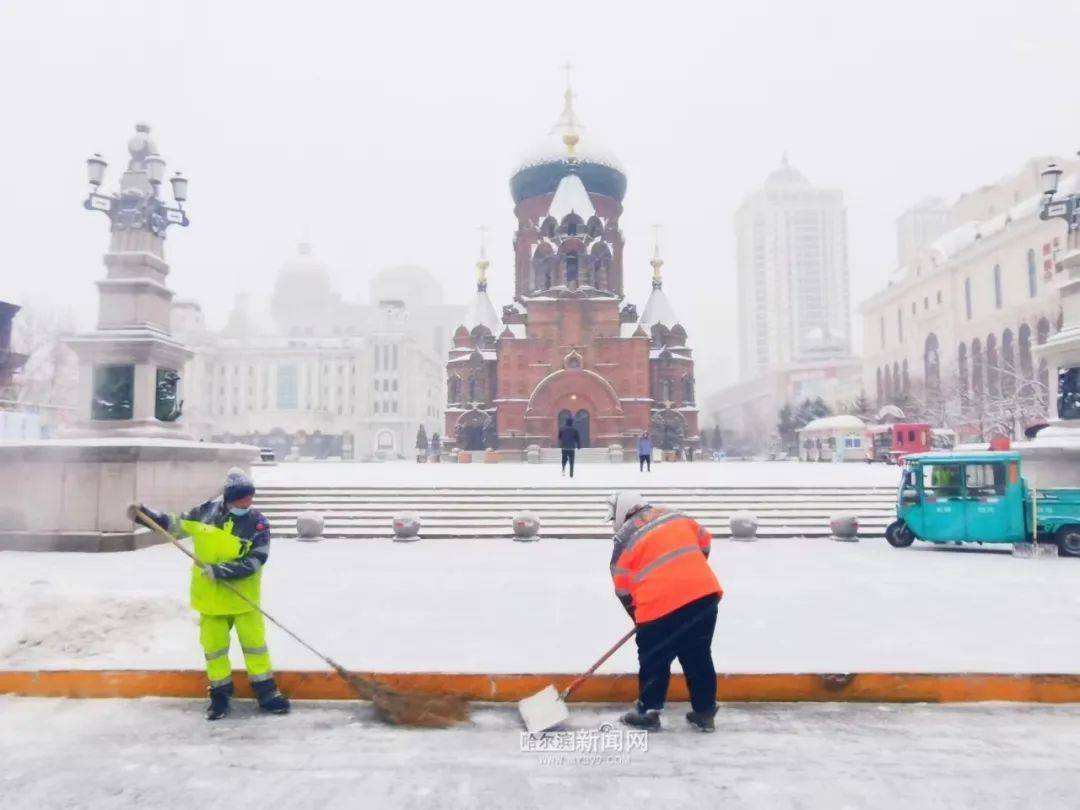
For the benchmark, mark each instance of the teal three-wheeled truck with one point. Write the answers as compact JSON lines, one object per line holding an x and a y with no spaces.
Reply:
{"x":980,"y":497}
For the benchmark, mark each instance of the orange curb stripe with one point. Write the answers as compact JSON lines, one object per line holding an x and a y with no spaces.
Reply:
{"x":876,"y":687}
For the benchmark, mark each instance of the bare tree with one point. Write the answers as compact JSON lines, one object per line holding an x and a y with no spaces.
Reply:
{"x":978,"y":415}
{"x":50,"y":377}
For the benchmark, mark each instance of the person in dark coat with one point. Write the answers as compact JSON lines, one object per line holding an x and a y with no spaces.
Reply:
{"x":569,"y":441}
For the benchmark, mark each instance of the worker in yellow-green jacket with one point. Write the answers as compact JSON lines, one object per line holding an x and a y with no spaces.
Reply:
{"x":232,"y":543}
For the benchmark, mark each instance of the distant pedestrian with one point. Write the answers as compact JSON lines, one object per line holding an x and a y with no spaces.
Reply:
{"x":569,"y":441}
{"x":644,"y":451}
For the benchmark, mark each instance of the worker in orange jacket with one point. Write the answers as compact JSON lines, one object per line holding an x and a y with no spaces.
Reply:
{"x":662,"y":576}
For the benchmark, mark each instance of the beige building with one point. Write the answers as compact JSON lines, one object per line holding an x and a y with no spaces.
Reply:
{"x":311,"y":375}
{"x":950,"y":337}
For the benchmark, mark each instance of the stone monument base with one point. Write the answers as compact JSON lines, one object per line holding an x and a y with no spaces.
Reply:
{"x":1052,"y":458}
{"x":72,"y":494}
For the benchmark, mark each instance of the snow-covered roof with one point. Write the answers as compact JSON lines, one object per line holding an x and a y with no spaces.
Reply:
{"x":658,"y":309}
{"x":840,"y":422}
{"x":571,"y":196}
{"x":481,"y":312}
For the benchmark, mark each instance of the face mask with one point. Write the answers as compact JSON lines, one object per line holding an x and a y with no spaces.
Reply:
{"x":238,"y":512}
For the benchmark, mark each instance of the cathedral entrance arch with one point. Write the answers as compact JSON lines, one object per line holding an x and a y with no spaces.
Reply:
{"x":581,"y":422}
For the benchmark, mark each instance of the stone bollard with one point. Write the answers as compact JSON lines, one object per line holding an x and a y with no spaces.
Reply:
{"x":491,"y":456}
{"x":532,"y":454}
{"x":615,"y":453}
{"x":310,"y":527}
{"x":464,"y":457}
{"x":526,"y":527}
{"x":406,"y":527}
{"x":744,"y":525}
{"x":845,"y":527}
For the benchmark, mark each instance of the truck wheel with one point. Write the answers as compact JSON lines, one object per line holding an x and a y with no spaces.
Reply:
{"x":899,"y":535}
{"x":1068,"y":540}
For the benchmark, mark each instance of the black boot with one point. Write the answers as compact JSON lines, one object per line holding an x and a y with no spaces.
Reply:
{"x":638,"y":717}
{"x":702,"y":720}
{"x":219,"y":701}
{"x":270,"y":699}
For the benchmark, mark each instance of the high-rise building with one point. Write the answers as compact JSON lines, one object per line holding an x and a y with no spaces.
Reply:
{"x":918,"y":226}
{"x":794,"y":308}
{"x":792,"y":273}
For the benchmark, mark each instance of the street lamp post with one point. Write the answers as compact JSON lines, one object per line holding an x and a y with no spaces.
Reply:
{"x":137,"y":205}
{"x":1054,"y":207}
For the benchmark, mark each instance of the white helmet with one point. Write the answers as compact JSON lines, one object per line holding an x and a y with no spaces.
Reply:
{"x":622,"y":504}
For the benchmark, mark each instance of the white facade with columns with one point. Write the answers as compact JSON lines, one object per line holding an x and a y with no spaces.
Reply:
{"x":311,"y":375}
{"x":969,"y":309}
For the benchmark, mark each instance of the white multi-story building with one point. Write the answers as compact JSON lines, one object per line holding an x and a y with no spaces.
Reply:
{"x":952,"y":333}
{"x":313,"y":376}
{"x":794,"y":306}
{"x":792,"y":274}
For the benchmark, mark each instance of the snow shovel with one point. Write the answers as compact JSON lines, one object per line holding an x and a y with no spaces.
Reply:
{"x":398,"y":708}
{"x":547,"y":708}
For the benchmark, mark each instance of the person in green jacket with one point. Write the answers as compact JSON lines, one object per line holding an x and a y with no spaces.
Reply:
{"x":232,"y":544}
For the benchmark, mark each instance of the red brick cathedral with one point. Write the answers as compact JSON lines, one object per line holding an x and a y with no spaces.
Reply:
{"x":569,"y":346}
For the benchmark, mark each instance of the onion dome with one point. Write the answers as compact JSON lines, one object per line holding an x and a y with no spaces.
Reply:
{"x":568,"y":150}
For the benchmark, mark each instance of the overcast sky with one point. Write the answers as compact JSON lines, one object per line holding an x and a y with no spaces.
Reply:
{"x":385,"y":133}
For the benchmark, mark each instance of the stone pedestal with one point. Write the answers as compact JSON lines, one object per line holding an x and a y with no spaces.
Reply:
{"x":71,"y":495}
{"x":1052,"y":458}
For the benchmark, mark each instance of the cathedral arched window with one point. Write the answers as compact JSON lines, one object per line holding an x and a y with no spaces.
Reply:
{"x":571,"y":270}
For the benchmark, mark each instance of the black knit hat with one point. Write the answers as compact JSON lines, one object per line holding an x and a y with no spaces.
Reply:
{"x":238,"y":484}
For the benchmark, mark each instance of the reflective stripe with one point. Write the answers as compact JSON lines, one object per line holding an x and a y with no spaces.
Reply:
{"x":222,"y":682}
{"x":266,"y":676}
{"x":216,"y":655}
{"x":622,"y":592}
{"x":255,"y":650}
{"x":638,"y":534}
{"x":617,"y":571}
{"x":256,"y":563}
{"x":662,"y":560}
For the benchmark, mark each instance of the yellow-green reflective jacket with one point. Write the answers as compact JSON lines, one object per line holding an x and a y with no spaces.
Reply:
{"x":214,"y":546}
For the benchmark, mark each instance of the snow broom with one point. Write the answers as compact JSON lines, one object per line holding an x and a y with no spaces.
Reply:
{"x":392,"y":706}
{"x":547,"y":708}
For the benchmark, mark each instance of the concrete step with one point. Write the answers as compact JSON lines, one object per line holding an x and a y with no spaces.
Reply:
{"x":571,"y":513}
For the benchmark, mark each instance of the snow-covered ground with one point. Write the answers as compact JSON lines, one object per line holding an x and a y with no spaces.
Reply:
{"x":501,"y":606}
{"x":160,"y":753}
{"x":734,"y":473}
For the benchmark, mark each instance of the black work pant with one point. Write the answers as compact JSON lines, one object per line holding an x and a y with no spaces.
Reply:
{"x":568,"y":458}
{"x":643,"y":461}
{"x":685,"y":634}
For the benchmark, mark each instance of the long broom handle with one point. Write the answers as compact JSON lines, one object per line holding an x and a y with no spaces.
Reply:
{"x":588,"y":673}
{"x":149,"y":522}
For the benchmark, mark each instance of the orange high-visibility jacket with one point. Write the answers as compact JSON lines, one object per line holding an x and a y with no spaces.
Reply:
{"x":660,"y":563}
